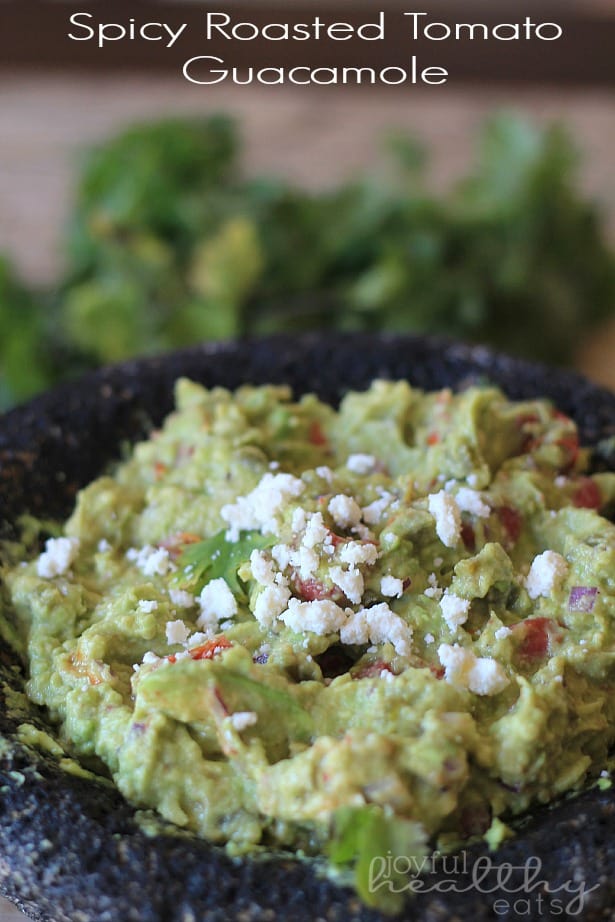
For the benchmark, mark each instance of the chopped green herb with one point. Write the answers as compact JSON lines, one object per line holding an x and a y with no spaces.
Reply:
{"x":216,"y":557}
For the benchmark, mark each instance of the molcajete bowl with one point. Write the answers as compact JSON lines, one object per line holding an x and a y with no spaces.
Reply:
{"x":72,"y":849}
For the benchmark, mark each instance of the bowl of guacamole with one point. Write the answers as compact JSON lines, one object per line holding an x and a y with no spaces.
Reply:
{"x":300,"y":623}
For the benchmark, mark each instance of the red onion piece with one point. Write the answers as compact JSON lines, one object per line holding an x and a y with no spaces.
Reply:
{"x":582,"y":598}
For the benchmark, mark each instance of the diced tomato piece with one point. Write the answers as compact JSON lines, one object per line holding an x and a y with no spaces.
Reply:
{"x":208,"y":650}
{"x":587,"y":495}
{"x":316,"y":436}
{"x":312,"y":590}
{"x":536,"y":637}
{"x":512,"y":522}
{"x":335,"y":539}
{"x":371,"y":670}
{"x":433,"y":438}
{"x":570,"y":443}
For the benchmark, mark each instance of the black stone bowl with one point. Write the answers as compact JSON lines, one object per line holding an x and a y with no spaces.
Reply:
{"x":70,"y":848}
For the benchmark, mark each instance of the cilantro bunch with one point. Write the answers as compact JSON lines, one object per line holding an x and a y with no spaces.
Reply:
{"x":170,"y":244}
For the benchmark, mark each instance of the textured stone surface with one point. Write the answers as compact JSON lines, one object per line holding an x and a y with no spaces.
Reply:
{"x":70,"y":848}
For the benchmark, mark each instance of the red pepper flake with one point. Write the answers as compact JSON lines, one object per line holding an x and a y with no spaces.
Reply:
{"x":433,"y":438}
{"x":208,"y":650}
{"x":587,"y":495}
{"x":316,"y":436}
{"x":160,"y":470}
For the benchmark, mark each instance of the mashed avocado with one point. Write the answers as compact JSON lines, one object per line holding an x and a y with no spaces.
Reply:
{"x":281,"y":625}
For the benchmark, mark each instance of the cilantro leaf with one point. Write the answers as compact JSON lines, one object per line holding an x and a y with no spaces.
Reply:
{"x":216,"y":557}
{"x":371,"y":841}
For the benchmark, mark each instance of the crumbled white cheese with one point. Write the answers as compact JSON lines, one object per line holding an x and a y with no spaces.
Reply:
{"x":429,"y":639}
{"x":560,"y":481}
{"x":152,"y":561}
{"x":375,"y":625}
{"x":262,"y":568}
{"x":181,"y":599}
{"x":374,"y":513}
{"x":349,"y":581}
{"x":356,"y":628}
{"x":198,"y":638}
{"x":321,"y":616}
{"x":386,"y":675}
{"x":57,"y":557}
{"x":270,"y":603}
{"x":547,"y":573}
{"x":438,"y":561}
{"x":147,"y":605}
{"x":502,"y":632}
{"x":391,"y":586}
{"x":463,"y":668}
{"x":362,"y":532}
{"x":361,"y":464}
{"x":316,"y":532}
{"x":325,"y":472}
{"x":433,"y":591}
{"x":298,"y":520}
{"x":306,"y":561}
{"x":176,"y":632}
{"x":345,"y":510}
{"x":445,"y":511}
{"x":241,"y":720}
{"x":472,"y":479}
{"x":282,"y":554}
{"x":455,"y":610}
{"x":356,"y":553}
{"x":385,"y":625}
{"x":259,"y":509}
{"x":471,"y":501}
{"x":216,"y":602}
{"x":150,"y":659}
{"x":103,"y":546}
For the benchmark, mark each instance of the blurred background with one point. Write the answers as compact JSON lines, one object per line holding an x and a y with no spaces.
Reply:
{"x":139,"y":212}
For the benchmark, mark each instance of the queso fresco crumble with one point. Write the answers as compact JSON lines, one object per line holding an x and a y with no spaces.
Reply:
{"x":276,"y":616}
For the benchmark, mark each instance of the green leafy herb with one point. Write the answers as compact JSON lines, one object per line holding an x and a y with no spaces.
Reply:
{"x":216,"y":557}
{"x":385,"y":851}
{"x":170,"y":244}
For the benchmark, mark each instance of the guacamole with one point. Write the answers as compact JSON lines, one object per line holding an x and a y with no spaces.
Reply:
{"x":280,"y":625}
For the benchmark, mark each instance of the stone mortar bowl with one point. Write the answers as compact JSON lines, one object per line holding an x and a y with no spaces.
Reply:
{"x":70,"y":847}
